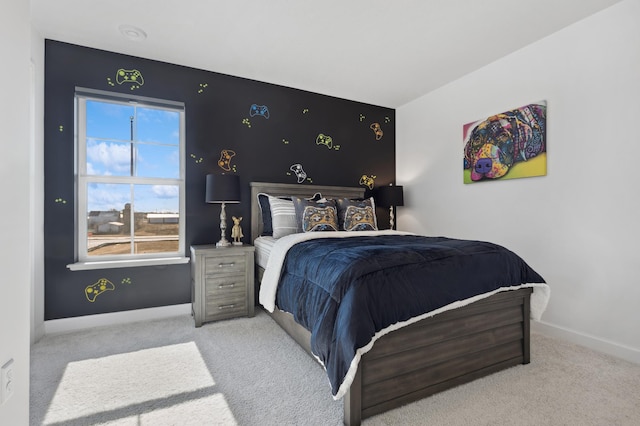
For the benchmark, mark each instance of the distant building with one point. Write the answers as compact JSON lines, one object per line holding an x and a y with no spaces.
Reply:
{"x":163,"y":217}
{"x":110,"y":228}
{"x":97,"y":218}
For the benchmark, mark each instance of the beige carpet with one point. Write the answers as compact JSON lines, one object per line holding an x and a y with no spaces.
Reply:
{"x":247,"y":371}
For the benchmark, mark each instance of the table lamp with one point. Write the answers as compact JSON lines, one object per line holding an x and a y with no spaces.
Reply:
{"x":390,"y":196}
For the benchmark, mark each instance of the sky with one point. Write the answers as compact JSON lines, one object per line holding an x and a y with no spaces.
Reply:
{"x":156,"y":134}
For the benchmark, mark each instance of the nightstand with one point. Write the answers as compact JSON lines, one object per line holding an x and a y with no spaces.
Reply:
{"x":222,"y":282}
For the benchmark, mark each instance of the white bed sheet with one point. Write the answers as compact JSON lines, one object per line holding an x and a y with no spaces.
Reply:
{"x":263,"y":246}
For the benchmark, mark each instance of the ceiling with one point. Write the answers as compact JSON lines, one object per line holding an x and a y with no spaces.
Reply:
{"x":380,"y":52}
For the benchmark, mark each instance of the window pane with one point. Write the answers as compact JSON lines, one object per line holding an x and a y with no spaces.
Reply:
{"x":156,"y":218}
{"x":107,"y":223}
{"x":156,"y":198}
{"x":108,"y":158}
{"x":156,"y":125}
{"x":162,"y":161}
{"x":107,"y":196}
{"x":106,"y":120}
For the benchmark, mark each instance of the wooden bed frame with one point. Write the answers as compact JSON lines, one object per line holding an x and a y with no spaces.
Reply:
{"x":424,"y":358}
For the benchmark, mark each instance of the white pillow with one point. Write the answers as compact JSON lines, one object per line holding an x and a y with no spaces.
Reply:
{"x":283,"y":217}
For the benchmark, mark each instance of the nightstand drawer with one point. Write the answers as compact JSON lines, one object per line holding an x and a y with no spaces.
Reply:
{"x":225,"y":307}
{"x":223,"y":286}
{"x":217,"y":265}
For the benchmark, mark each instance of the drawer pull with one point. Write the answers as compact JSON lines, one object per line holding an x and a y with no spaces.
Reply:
{"x":227,"y":285}
{"x":221,"y":307}
{"x":224,"y":265}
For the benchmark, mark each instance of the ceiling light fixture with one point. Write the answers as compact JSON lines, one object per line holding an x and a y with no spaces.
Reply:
{"x":132,"y":33}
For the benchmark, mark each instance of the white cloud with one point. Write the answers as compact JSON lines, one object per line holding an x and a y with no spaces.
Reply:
{"x":112,"y":157}
{"x":104,"y":197}
{"x":166,"y":191}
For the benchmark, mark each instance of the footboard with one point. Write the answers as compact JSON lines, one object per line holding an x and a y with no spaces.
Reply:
{"x":439,"y":353}
{"x":434,"y":354}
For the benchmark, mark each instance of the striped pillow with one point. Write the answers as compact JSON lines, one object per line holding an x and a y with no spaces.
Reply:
{"x":283,"y":217}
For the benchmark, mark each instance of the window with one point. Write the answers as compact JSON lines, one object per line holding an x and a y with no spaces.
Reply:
{"x":130,"y":177}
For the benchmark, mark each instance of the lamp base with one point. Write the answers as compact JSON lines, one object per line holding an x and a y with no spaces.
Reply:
{"x":223,"y":243}
{"x":223,"y":229}
{"x":391,"y":218}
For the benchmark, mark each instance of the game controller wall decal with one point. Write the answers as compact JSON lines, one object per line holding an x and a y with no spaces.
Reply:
{"x":225,"y":159}
{"x":324,"y":140}
{"x":132,"y":77}
{"x":377,"y":130}
{"x":368,"y":181}
{"x":299,"y":172}
{"x":327,"y":141}
{"x":129,"y":76}
{"x":96,"y":289}
{"x":259,"y":110}
{"x":92,"y":291}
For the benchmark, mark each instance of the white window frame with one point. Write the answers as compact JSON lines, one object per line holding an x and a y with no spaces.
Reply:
{"x":82,"y":180}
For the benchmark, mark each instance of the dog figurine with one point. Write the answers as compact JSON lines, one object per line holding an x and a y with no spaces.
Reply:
{"x":236,"y":231}
{"x":500,"y":141}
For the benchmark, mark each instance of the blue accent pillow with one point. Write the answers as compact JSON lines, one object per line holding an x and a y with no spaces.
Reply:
{"x":357,"y":215}
{"x":265,"y":211}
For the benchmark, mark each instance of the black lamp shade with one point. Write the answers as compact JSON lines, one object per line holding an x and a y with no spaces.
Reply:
{"x":222,"y":188}
{"x":390,"y":196}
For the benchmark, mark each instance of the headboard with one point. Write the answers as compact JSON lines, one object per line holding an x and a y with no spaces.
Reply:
{"x":286,"y":189}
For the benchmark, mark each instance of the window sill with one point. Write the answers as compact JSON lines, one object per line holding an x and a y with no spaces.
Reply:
{"x":108,"y":264}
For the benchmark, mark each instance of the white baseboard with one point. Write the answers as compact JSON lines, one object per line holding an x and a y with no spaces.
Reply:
{"x":66,"y":325}
{"x":597,"y":344}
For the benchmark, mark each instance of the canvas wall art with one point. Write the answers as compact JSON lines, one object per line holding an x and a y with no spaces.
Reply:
{"x":508,"y":145}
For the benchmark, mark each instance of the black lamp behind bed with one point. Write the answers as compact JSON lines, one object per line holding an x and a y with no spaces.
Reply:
{"x":221,"y":189}
{"x":390,"y":196}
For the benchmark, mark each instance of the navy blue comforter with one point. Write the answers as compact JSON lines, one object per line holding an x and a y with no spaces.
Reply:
{"x":344,"y":290}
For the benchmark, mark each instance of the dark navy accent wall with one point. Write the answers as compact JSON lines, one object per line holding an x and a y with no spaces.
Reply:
{"x":284,"y":128}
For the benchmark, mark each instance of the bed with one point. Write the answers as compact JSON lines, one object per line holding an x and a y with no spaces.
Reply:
{"x":417,"y":358}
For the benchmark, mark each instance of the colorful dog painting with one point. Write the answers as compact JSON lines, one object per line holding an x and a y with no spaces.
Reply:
{"x":498,"y":145}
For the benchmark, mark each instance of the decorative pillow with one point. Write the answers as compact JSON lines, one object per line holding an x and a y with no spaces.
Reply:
{"x":313,"y":216}
{"x":265,"y":213}
{"x":357,"y":215}
{"x":283,"y":217}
